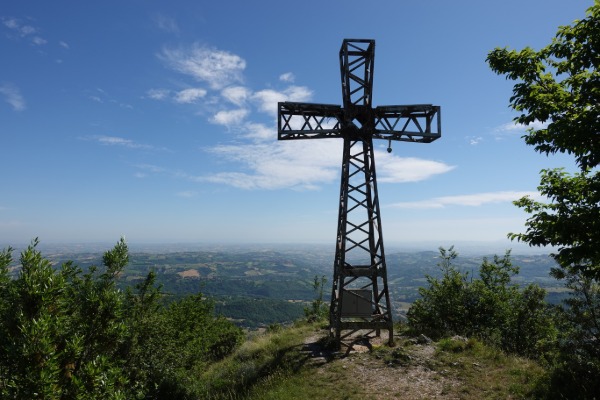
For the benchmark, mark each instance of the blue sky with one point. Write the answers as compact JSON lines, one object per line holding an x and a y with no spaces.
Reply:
{"x":156,"y":120}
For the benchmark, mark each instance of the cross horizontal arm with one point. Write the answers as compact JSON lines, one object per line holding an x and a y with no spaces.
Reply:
{"x":308,"y":121}
{"x":409,"y":123}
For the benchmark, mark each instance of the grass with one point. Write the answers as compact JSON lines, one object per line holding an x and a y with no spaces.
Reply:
{"x":262,"y":358}
{"x":488,"y":373}
{"x":278,"y":365}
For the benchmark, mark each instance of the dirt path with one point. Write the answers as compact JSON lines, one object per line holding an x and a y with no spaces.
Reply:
{"x":367,"y":363}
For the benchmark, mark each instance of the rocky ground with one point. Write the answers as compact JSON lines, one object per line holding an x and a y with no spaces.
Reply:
{"x":408,"y":370}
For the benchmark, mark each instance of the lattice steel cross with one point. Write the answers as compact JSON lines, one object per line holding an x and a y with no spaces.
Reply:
{"x":359,"y":297}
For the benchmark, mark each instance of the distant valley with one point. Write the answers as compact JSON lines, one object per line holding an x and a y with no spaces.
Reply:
{"x":260,"y":285}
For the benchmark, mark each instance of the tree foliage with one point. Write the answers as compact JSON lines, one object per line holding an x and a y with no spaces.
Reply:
{"x":65,"y":334}
{"x":576,"y":363}
{"x":559,"y":86}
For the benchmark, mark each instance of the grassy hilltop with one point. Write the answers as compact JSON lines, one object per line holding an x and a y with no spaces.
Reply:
{"x":294,"y":363}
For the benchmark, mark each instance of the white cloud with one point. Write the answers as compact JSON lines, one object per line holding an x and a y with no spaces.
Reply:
{"x":189,"y":95}
{"x":123,"y":105}
{"x":184,"y":96}
{"x":38,"y":40}
{"x":27,"y":30}
{"x":117,"y":141}
{"x":23,"y":30}
{"x":12,"y":95}
{"x":19,"y":28}
{"x":64,"y":45}
{"x":259,"y":132}
{"x":474,"y":140}
{"x":287,"y":77}
{"x":306,"y":164}
{"x":516,"y":127}
{"x":298,"y":165}
{"x":216,"y":67}
{"x":101,"y":96}
{"x":394,"y":169}
{"x":166,"y":24}
{"x":11,"y":23}
{"x":158,"y":94}
{"x":236,"y":94}
{"x":122,"y":142}
{"x":468,"y":200}
{"x":230,"y":117}
{"x":267,"y":99}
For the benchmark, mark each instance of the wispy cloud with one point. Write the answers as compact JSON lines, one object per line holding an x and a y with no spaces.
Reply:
{"x":145,"y":170}
{"x":468,"y":200}
{"x":38,"y":40}
{"x":158,"y":94}
{"x":230,"y":118}
{"x":308,"y":165}
{"x":258,"y":132}
{"x":237,"y":95}
{"x":12,"y":95}
{"x":474,"y":140}
{"x":122,"y":142}
{"x":189,"y":95}
{"x":64,"y":45}
{"x":185,"y":96}
{"x":166,"y":23}
{"x":267,"y":99}
{"x":11,"y":23}
{"x":513,"y":127}
{"x":218,"y":68}
{"x":20,"y":29}
{"x":287,"y":77}
{"x":102,"y":97}
{"x":394,"y":169}
{"x":297,"y":165}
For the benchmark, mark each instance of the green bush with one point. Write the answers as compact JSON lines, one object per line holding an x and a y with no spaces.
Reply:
{"x":488,"y":307}
{"x":69,"y":335}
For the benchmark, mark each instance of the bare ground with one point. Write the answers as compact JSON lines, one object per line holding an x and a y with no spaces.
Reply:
{"x":370,"y":370}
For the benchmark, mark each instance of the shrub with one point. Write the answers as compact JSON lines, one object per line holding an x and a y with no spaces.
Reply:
{"x":318,"y":309}
{"x":69,"y":335}
{"x":489,"y":307}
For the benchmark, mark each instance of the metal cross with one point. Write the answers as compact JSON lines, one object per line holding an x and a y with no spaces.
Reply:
{"x":359,"y":297}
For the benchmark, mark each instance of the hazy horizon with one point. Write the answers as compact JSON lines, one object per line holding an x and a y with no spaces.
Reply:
{"x":462,"y":247}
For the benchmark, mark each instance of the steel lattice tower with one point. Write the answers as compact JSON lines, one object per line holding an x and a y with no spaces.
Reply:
{"x":359,"y":297}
